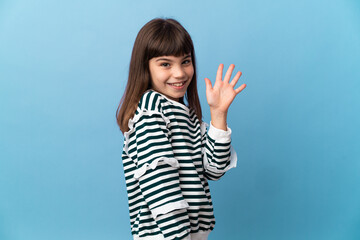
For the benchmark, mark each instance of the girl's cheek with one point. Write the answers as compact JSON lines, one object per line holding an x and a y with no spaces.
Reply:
{"x":163,"y":75}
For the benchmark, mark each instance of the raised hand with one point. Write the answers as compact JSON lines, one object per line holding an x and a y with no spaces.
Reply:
{"x":223,"y":93}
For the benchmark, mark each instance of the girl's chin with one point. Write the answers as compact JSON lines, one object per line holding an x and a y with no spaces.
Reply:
{"x":175,"y":96}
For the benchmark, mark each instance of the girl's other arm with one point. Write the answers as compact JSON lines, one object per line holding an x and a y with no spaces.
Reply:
{"x":218,"y":153}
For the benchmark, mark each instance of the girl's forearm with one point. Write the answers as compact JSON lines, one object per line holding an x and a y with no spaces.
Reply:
{"x":218,"y":119}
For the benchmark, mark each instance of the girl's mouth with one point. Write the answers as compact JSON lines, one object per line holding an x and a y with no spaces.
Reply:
{"x":177,"y":85}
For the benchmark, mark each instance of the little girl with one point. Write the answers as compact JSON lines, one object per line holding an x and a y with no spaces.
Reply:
{"x":168,"y":153}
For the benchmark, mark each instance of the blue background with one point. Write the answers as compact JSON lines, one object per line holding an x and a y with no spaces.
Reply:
{"x":296,"y":127}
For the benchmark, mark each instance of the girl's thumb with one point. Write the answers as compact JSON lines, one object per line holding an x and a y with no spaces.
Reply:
{"x":208,"y":83}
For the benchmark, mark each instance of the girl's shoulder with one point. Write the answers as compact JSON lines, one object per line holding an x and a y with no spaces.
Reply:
{"x":151,"y":101}
{"x":155,"y":104}
{"x":150,"y":105}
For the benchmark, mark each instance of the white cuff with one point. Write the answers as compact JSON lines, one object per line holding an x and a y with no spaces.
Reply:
{"x":201,"y":235}
{"x":219,"y":135}
{"x":233,"y":158}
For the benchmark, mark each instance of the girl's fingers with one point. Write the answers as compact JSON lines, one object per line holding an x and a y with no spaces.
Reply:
{"x":208,"y":84}
{"x":235,"y":79}
{"x":239,"y":89}
{"x":219,"y":73}
{"x":229,"y":72}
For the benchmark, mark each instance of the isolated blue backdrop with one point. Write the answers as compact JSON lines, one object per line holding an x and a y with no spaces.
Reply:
{"x":296,"y":127}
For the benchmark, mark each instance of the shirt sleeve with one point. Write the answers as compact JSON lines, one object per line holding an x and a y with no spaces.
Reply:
{"x":158,"y":176}
{"x":218,"y":154}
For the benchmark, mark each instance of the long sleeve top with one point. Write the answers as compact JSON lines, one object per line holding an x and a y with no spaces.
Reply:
{"x":168,"y":156}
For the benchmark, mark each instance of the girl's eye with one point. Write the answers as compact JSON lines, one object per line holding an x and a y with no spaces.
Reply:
{"x":165,"y":64}
{"x":187,"y":61}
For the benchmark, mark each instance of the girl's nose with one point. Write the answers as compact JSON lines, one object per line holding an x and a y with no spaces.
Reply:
{"x":179,"y":72}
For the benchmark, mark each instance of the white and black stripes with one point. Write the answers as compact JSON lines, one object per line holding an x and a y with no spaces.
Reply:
{"x":167,"y":160}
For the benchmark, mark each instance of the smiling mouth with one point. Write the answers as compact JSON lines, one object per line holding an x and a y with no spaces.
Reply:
{"x":177,"y":84}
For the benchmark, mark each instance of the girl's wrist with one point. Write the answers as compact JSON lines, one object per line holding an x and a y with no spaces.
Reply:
{"x":218,"y":119}
{"x":215,"y":113}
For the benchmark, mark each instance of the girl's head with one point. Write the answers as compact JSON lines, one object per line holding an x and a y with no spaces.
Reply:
{"x":163,"y":54}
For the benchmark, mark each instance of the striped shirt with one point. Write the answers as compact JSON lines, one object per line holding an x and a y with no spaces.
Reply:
{"x":168,"y":156}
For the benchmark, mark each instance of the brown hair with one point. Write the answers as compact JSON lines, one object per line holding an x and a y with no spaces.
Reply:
{"x":159,"y":37}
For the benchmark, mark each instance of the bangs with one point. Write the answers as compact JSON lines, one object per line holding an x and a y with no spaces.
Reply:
{"x":169,"y":41}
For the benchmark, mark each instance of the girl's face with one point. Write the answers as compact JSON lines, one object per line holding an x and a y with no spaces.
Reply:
{"x":171,"y":75}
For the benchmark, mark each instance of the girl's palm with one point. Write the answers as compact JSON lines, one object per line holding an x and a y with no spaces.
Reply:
{"x":223,"y":93}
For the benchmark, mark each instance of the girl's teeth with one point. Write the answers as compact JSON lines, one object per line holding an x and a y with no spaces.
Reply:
{"x":177,"y":84}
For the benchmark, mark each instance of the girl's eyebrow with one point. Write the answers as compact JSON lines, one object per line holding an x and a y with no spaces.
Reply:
{"x":167,"y":59}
